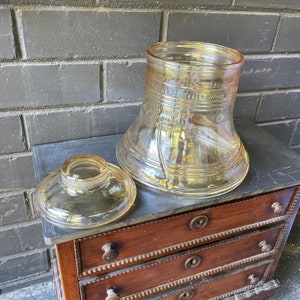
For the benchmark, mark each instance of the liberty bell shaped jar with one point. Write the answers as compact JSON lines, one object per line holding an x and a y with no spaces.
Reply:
{"x":183,"y":140}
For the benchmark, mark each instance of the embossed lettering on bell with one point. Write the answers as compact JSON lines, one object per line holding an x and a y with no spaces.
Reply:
{"x":183,"y":140}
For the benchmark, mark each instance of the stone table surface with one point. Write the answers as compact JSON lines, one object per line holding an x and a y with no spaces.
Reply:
{"x":272,"y":166}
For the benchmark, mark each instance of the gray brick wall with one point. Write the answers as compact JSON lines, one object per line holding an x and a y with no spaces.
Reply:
{"x":24,"y":266}
{"x":246,"y":32}
{"x":75,"y":69}
{"x":11,"y":135}
{"x":288,"y":32}
{"x":49,"y":84}
{"x":13,"y":208}
{"x":60,"y":125}
{"x":7,"y":49}
{"x":280,"y":4}
{"x":270,"y":72}
{"x":296,"y":135}
{"x":87,"y":33}
{"x":124,"y":80}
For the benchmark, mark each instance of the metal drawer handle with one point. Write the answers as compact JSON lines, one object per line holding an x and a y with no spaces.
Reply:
{"x":198,"y":222}
{"x":253,"y":279}
{"x":186,"y":295}
{"x":277,"y":208}
{"x":110,"y":253}
{"x":192,"y":262}
{"x":265,"y":247}
{"x":111,"y":295}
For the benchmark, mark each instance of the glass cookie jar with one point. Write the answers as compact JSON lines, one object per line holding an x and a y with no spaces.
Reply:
{"x":183,"y":140}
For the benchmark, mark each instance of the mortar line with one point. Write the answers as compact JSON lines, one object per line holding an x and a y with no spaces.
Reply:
{"x":18,"y":225}
{"x":11,"y":193}
{"x":71,"y":61}
{"x":17,"y":111}
{"x":102,"y":83}
{"x":258,"y":107}
{"x":164,"y":26}
{"x":39,"y":110}
{"x":24,"y":132}
{"x":197,"y":8}
{"x":277,"y":121}
{"x":79,"y":8}
{"x":293,"y":133}
{"x":121,"y":60}
{"x":295,"y":147}
{"x":276,"y":33}
{"x":12,"y":156}
{"x":28,"y":205}
{"x":19,"y":32}
{"x":272,"y":55}
{"x":15,"y":30}
{"x":24,"y":254}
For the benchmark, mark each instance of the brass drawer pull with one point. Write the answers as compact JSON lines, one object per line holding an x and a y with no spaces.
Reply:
{"x":198,"y":222}
{"x":186,"y":295}
{"x":192,"y":262}
{"x":253,"y":279}
{"x":111,"y":295}
{"x":264,"y":246}
{"x":277,"y":208}
{"x":110,"y":253}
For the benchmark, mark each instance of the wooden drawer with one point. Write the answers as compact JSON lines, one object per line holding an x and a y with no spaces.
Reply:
{"x":188,"y":266}
{"x":243,"y":278}
{"x":165,"y":236}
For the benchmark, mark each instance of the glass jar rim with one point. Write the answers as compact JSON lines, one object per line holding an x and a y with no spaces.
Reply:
{"x":208,"y":52}
{"x":72,"y":178}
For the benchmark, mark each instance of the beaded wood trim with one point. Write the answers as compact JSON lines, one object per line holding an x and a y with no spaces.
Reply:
{"x":77,"y":258}
{"x":294,"y":202}
{"x":198,"y":275}
{"x":205,"y":209}
{"x":194,"y":242}
{"x":180,"y":246}
{"x":207,"y":273}
{"x":267,"y":263}
{"x":176,"y":247}
{"x":195,"y":277}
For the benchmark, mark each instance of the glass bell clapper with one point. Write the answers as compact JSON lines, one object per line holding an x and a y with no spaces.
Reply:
{"x":84,"y":193}
{"x":183,"y":140}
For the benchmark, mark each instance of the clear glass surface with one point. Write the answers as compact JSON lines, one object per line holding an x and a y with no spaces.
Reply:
{"x":183,"y":140}
{"x":85,"y":192}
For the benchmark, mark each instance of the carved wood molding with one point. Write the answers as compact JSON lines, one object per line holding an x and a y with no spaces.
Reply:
{"x":174,"y":217}
{"x":176,"y":247}
{"x":202,"y":274}
{"x":294,"y":202}
{"x":267,"y":263}
{"x":192,"y":278}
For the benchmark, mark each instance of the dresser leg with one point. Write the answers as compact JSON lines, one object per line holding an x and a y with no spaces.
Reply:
{"x":67,"y":269}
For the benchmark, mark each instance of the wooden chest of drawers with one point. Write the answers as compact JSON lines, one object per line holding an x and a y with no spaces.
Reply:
{"x":219,"y":250}
{"x":170,"y":248}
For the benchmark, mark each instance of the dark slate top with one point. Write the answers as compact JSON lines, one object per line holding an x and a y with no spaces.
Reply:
{"x":272,"y":166}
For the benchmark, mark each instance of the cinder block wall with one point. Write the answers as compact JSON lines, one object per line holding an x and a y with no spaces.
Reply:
{"x":74,"y":69}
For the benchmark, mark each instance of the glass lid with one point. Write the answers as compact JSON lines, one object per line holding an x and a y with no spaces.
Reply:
{"x":85,"y":192}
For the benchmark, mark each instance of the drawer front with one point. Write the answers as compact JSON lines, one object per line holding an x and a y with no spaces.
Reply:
{"x":189,"y":266}
{"x":245,"y":278}
{"x":128,"y":246}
